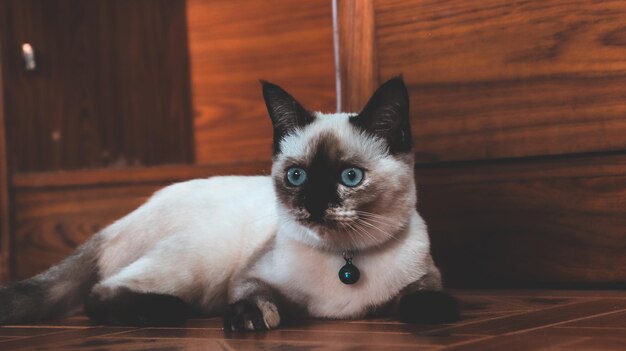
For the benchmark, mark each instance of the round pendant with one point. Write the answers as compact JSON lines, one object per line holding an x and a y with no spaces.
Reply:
{"x":349,"y":274}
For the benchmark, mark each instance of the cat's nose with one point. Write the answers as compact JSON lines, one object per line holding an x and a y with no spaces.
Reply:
{"x":317,"y":212}
{"x":318,"y":199}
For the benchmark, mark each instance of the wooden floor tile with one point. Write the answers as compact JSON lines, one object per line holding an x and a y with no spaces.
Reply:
{"x":533,"y":340}
{"x":53,"y":340}
{"x":498,"y":303}
{"x":596,"y":333}
{"x":613,"y":320}
{"x":70,"y":322}
{"x":338,"y":336}
{"x":118,"y":344}
{"x":12,"y":331}
{"x":491,"y":320}
{"x":535,"y":319}
{"x":617,"y":344}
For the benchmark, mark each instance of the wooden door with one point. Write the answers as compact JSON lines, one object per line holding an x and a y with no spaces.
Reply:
{"x":111,"y":87}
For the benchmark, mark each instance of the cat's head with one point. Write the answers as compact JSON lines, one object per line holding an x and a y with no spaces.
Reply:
{"x":344,"y":180}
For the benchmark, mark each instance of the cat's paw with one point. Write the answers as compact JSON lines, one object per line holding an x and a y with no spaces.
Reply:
{"x":251,"y":315}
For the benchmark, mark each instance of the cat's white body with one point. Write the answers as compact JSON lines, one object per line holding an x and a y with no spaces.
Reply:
{"x":191,"y":239}
{"x":193,"y":234}
{"x":310,"y":276}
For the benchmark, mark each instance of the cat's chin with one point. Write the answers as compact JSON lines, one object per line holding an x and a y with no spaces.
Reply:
{"x":330,"y":236}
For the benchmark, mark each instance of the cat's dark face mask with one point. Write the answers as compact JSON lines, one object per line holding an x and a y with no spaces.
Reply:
{"x":341,"y":175}
{"x":320,"y":191}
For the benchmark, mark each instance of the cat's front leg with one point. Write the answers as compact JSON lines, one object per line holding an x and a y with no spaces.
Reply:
{"x":257,"y":307}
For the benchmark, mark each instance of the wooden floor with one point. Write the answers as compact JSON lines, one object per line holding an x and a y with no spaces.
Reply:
{"x":491,"y":320}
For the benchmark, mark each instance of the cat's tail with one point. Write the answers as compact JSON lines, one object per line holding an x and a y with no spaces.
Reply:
{"x":55,"y":292}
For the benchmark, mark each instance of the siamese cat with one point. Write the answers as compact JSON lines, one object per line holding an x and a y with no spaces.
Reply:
{"x":332,"y":233}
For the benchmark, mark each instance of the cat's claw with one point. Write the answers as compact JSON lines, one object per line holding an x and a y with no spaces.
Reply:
{"x":248,"y":315}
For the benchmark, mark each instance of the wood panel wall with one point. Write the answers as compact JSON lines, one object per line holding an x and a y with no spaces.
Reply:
{"x":232,"y":45}
{"x":496,"y":79}
{"x":528,"y":223}
{"x":518,"y":114}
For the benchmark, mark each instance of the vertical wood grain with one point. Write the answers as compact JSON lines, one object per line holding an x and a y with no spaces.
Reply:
{"x":358,"y":55}
{"x":232,"y":45}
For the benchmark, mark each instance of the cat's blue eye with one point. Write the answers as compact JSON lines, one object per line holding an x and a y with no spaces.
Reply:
{"x":296,"y":176}
{"x":351,"y":176}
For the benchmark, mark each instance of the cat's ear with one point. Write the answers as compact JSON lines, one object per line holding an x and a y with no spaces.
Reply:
{"x":386,"y":115}
{"x":286,"y":113}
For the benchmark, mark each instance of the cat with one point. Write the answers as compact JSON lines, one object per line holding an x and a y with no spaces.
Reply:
{"x":332,"y":233}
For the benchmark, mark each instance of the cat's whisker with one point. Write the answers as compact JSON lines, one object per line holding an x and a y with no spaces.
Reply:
{"x":367,"y":212}
{"x":375,"y":224}
{"x":374,"y":215}
{"x":377,"y":221}
{"x":363,"y":231}
{"x":380,"y":230}
{"x":366,"y":231}
{"x":355,"y":230}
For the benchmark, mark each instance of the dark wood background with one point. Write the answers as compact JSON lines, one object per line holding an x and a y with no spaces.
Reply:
{"x":528,"y":223}
{"x":518,"y":113}
{"x":100,"y":96}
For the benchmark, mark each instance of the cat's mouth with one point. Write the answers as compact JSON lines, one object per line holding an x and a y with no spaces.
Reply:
{"x":348,"y":231}
{"x":330,"y":220}
{"x":326,"y":223}
{"x":348,"y":228}
{"x":331,"y":231}
{"x":335,"y":224}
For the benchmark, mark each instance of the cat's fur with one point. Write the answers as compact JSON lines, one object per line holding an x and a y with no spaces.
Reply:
{"x":257,"y":249}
